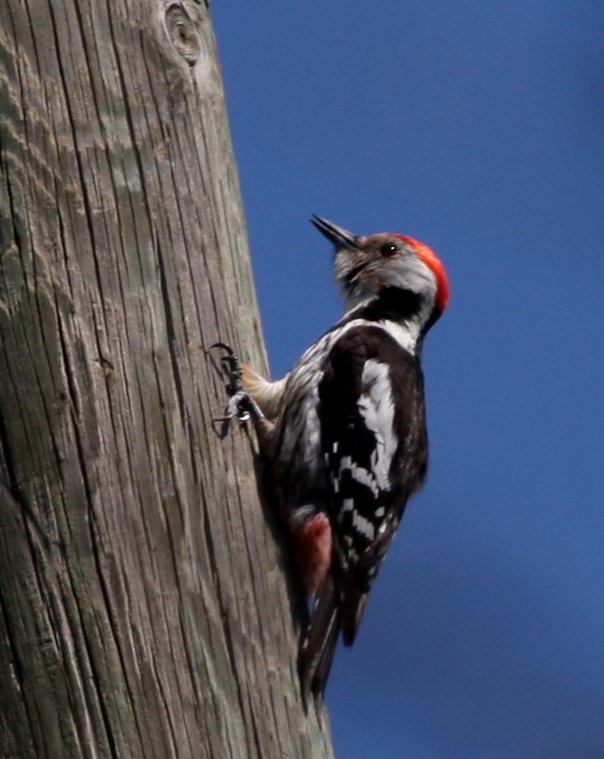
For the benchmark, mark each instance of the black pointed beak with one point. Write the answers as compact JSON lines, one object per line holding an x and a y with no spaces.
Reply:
{"x":339,"y":236}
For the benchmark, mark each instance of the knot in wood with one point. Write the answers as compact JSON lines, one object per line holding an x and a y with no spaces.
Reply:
{"x":183,"y":33}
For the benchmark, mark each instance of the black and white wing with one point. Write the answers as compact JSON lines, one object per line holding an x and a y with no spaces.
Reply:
{"x":374,"y":443}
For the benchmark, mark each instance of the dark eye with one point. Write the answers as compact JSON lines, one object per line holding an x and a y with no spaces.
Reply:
{"x":389,"y":249}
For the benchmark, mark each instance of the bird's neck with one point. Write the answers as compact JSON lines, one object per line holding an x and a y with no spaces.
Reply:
{"x":401,"y":312}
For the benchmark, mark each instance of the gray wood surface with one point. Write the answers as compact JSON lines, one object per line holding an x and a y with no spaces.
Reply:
{"x":144,"y":608}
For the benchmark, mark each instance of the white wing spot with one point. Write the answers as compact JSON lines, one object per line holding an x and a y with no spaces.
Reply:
{"x":297,"y":401}
{"x":376,"y":406}
{"x":359,"y":474}
{"x":363,"y":525}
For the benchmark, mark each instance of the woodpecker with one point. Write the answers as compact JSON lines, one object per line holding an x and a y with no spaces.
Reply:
{"x":344,"y":433}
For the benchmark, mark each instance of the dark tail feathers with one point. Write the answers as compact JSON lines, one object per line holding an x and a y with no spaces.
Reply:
{"x":319,"y":644}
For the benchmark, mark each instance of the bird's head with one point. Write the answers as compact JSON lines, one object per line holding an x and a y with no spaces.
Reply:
{"x":403,"y":274}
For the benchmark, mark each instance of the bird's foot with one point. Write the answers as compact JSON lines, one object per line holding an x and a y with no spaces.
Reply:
{"x":240,"y":406}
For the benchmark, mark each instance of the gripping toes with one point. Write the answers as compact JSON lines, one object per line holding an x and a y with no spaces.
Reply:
{"x":240,"y":405}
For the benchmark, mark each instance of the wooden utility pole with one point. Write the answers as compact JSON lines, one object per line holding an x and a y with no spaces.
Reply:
{"x":144,"y":609}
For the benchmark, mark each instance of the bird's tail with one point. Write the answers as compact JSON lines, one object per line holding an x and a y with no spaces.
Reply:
{"x":319,"y":644}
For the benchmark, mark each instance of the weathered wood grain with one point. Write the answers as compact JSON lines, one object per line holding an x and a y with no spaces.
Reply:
{"x":143,"y":602}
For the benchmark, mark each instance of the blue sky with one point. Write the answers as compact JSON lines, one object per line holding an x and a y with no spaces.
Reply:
{"x":477,"y":127}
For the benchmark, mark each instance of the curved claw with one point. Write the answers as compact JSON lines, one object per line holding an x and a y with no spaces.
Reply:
{"x":231,"y":364}
{"x":230,"y":352}
{"x":224,"y":346}
{"x":240,"y":405}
